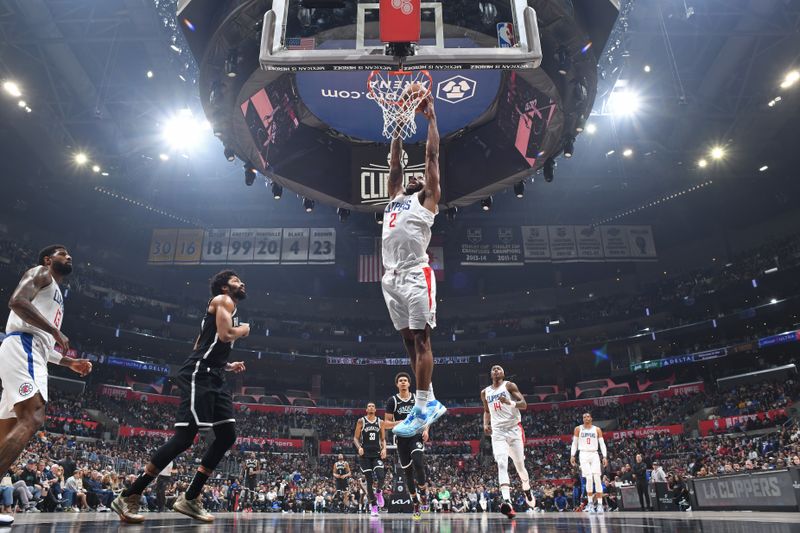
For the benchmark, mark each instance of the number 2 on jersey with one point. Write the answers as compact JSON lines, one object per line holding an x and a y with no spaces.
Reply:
{"x":393,"y":220}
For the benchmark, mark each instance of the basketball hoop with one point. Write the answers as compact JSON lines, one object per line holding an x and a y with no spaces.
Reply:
{"x":399,"y":93}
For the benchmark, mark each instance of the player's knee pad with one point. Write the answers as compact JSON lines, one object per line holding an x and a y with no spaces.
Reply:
{"x":179,"y":443}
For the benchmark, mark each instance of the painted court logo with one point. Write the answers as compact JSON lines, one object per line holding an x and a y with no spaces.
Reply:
{"x":25,"y":389}
{"x":405,"y":6}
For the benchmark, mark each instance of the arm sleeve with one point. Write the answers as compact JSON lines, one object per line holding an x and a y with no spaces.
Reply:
{"x":574,"y":446}
{"x":54,"y":357}
{"x":602,"y":443}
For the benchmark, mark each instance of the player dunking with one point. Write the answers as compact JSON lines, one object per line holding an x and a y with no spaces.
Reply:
{"x":410,"y":449}
{"x":205,"y":402}
{"x":409,"y":286}
{"x":342,"y":474}
{"x":371,"y":446}
{"x":588,"y":439}
{"x":32,"y":331}
{"x":502,"y":403}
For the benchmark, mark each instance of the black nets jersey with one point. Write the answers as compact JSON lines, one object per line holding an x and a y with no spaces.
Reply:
{"x":370,"y":437}
{"x":209,"y":348}
{"x":341,"y":468}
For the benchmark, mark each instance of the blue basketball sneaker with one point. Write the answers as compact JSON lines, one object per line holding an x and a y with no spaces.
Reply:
{"x":435,"y":411}
{"x":412,"y":425}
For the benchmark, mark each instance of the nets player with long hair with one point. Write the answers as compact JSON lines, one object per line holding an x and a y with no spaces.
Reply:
{"x":409,"y":286}
{"x":371,"y":445}
{"x":205,"y":402}
{"x":409,"y":449}
{"x":502,"y":403}
{"x":32,"y":332}
{"x":342,"y":475}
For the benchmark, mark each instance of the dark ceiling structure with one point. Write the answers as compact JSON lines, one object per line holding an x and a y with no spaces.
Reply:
{"x":713,"y":68}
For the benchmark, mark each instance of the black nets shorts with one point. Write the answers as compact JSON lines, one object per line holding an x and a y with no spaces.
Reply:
{"x":407,"y":446}
{"x":204,"y":398}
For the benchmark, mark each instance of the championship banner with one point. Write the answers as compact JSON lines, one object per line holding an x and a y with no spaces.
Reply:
{"x":562,"y":243}
{"x":729,"y":422}
{"x":536,"y":243}
{"x":491,"y":246}
{"x":615,"y":242}
{"x":589,"y":243}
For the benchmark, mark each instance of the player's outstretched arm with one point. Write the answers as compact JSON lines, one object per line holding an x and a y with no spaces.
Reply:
{"x":433,"y":190}
{"x":21,"y":303}
{"x":395,"y":183}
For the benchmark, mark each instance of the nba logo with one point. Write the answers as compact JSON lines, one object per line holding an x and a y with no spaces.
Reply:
{"x":505,"y":35}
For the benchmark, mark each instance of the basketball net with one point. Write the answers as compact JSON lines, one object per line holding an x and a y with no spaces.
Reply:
{"x":399,"y":93}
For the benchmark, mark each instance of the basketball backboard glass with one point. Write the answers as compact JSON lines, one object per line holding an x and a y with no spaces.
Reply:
{"x":301,"y":35}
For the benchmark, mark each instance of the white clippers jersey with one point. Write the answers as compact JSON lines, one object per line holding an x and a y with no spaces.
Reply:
{"x":503,"y":415}
{"x":587,"y":439}
{"x":50,"y":303}
{"x":406,"y":233}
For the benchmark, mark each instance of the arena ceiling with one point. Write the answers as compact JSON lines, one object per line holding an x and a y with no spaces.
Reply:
{"x":714,"y":65}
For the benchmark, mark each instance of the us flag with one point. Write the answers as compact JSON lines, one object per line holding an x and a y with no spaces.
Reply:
{"x":300,"y":43}
{"x":370,"y":263}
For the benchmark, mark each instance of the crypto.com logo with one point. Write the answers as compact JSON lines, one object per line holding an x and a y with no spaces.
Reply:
{"x":456,"y":89}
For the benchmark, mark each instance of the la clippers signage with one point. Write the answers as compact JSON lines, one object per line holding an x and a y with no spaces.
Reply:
{"x":771,"y":490}
{"x":370,"y":167}
{"x":344,"y":103}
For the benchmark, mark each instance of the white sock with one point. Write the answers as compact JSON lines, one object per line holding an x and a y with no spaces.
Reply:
{"x":505,"y":490}
{"x":526,"y":485}
{"x":431,"y":397}
{"x":422,"y":400}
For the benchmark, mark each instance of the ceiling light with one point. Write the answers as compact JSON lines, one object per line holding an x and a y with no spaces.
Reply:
{"x":549,"y":169}
{"x":28,"y":109}
{"x":183,"y":130}
{"x":763,"y":169}
{"x":22,"y":103}
{"x":519,"y":189}
{"x":163,"y":157}
{"x":623,"y":103}
{"x":231,"y":63}
{"x":81,"y":158}
{"x":149,"y":74}
{"x":718,"y":152}
{"x":647,"y":68}
{"x":610,"y":153}
{"x":277,"y":191}
{"x":451,"y":213}
{"x":249,"y":174}
{"x":229,"y":154}
{"x":12,"y":88}
{"x":175,"y":48}
{"x":628,"y":152}
{"x":96,"y":168}
{"x":790,"y":79}
{"x":486,"y":203}
{"x":591,"y":129}
{"x":104,"y":174}
{"x":569,"y":147}
{"x":702,"y":163}
{"x":379,"y":218}
{"x":343,"y":214}
{"x":308,"y":204}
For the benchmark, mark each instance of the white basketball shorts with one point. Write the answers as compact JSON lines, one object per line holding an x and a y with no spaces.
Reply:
{"x":411,"y":297}
{"x":23,"y":371}
{"x":508,"y":442}
{"x":590,"y":464}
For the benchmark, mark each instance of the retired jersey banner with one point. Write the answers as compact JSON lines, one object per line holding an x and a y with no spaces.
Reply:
{"x":491,"y":246}
{"x":263,"y":246}
{"x":536,"y":242}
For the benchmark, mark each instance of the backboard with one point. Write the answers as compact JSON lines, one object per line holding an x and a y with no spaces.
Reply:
{"x":342,"y":35}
